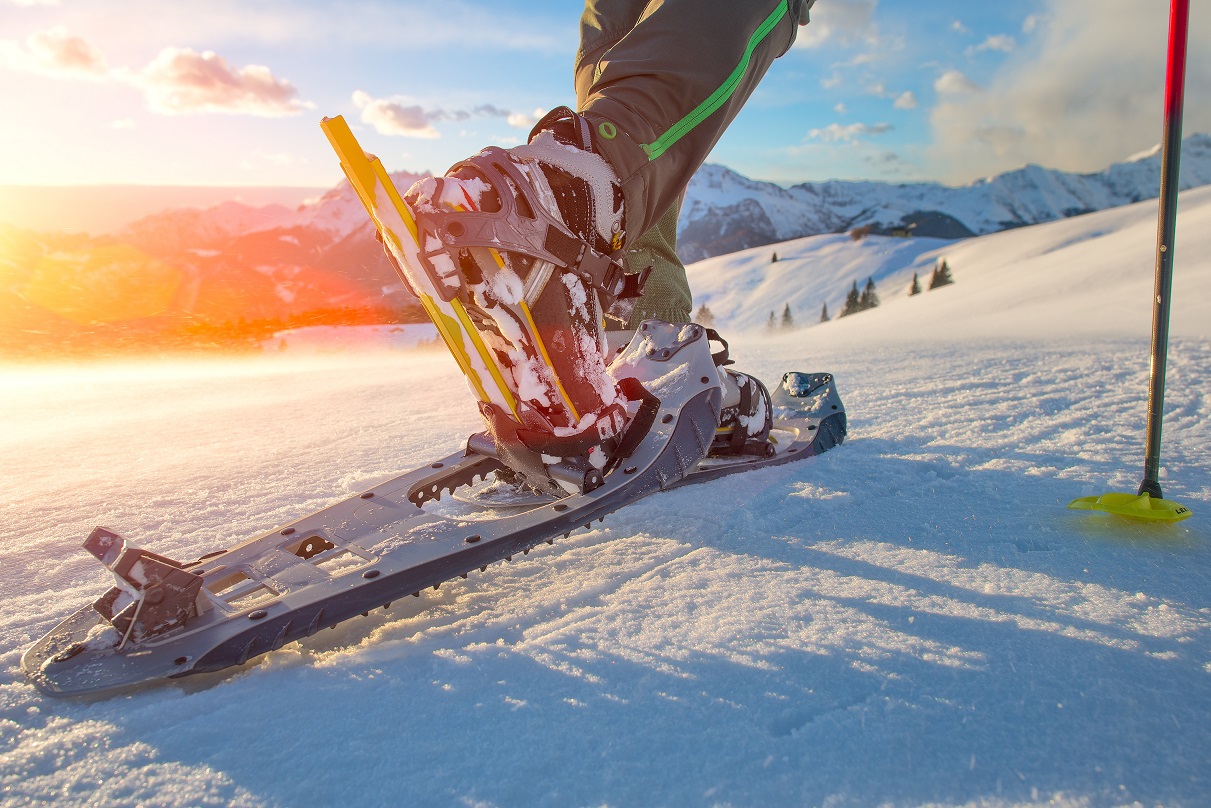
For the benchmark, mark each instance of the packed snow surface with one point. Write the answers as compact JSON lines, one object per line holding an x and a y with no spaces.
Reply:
{"x":912,"y":618}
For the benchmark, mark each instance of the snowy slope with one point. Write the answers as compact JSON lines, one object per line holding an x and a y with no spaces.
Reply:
{"x":1088,"y":273}
{"x":910,"y":619}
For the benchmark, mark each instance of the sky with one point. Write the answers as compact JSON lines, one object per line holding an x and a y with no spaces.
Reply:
{"x":226,"y":92}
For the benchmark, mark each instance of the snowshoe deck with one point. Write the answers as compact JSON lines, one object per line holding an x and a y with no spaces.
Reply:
{"x":167,"y":620}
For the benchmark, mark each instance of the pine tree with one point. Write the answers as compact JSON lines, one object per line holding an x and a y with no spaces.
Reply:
{"x":869,"y":297}
{"x":941,"y":275}
{"x":705,"y":317}
{"x":824,"y":318}
{"x":852,"y":305}
{"x":774,"y":260}
{"x":771,"y":323}
{"x":788,"y":322}
{"x":915,"y":289}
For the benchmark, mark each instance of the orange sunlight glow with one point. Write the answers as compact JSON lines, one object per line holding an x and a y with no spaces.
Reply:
{"x":104,"y":284}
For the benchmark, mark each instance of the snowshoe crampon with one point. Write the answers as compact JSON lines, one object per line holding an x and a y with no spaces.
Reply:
{"x":165,"y":620}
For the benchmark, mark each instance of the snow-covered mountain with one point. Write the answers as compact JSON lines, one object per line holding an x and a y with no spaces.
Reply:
{"x":724,"y":211}
{"x":1012,"y":282}
{"x":319,"y":262}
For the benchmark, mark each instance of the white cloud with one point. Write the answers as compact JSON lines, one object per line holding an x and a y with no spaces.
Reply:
{"x":906,"y":100}
{"x":1032,"y":22}
{"x":842,"y":22}
{"x":400,"y":116}
{"x":997,"y":42}
{"x":394,"y":116}
{"x":1087,"y":90}
{"x":180,"y":80}
{"x":954,"y":82}
{"x":840,"y":109}
{"x":958,"y":27}
{"x":848,"y":133}
{"x":55,"y":53}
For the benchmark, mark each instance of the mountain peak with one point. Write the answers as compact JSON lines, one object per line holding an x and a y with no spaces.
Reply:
{"x":726,"y":211}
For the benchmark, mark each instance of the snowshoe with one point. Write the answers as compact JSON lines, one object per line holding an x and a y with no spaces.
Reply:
{"x":165,"y":620}
{"x":586,"y":439}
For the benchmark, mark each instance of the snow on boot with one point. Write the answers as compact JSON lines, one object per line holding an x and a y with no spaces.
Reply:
{"x":744,"y":424}
{"x":747,"y":415}
{"x":530,"y":241}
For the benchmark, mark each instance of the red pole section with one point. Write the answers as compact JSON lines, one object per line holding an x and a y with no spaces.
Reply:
{"x":1175,"y":84}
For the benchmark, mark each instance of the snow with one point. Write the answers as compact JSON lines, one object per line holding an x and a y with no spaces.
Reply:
{"x":912,"y":618}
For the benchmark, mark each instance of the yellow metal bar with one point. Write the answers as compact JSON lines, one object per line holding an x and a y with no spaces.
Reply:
{"x":547,"y":358}
{"x":485,"y":354}
{"x":366,"y":174}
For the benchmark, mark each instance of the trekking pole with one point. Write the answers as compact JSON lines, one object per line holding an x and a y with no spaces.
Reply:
{"x":1165,"y":230}
{"x":1148,"y":502}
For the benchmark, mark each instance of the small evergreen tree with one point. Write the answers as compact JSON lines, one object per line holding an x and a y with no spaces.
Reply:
{"x":771,"y":323}
{"x":774,"y":260}
{"x":852,"y":305}
{"x":705,"y":317}
{"x":915,"y":289}
{"x":941,"y":275}
{"x":824,"y":318}
{"x":788,"y":322}
{"x":869,"y":297}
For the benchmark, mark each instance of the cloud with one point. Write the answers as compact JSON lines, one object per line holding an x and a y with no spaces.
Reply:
{"x":180,"y":80}
{"x":1084,"y":91}
{"x":848,"y":133}
{"x":889,"y":163}
{"x":177,"y":81}
{"x":841,"y":22}
{"x":953,"y":82}
{"x":998,"y":42}
{"x":959,"y":28}
{"x":393,"y":116}
{"x":904,"y":100}
{"x":56,"y":53}
{"x":398,"y":116}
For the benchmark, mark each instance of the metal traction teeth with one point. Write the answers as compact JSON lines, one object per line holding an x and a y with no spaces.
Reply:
{"x":280,"y":639}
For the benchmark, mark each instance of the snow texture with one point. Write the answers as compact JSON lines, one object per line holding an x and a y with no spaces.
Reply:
{"x":912,"y":618}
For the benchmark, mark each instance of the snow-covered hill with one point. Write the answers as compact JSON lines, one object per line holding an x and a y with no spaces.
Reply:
{"x":725,"y":212}
{"x":1091,"y":273}
{"x":910,"y":619}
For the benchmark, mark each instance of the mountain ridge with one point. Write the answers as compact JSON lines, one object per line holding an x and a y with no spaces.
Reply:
{"x":725,"y":211}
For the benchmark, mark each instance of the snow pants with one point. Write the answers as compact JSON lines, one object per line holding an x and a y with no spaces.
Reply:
{"x":660,"y":81}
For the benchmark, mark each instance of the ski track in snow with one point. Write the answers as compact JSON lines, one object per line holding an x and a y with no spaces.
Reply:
{"x":911,"y":618}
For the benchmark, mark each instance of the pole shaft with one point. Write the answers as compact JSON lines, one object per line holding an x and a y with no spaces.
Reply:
{"x":1166,"y":230}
